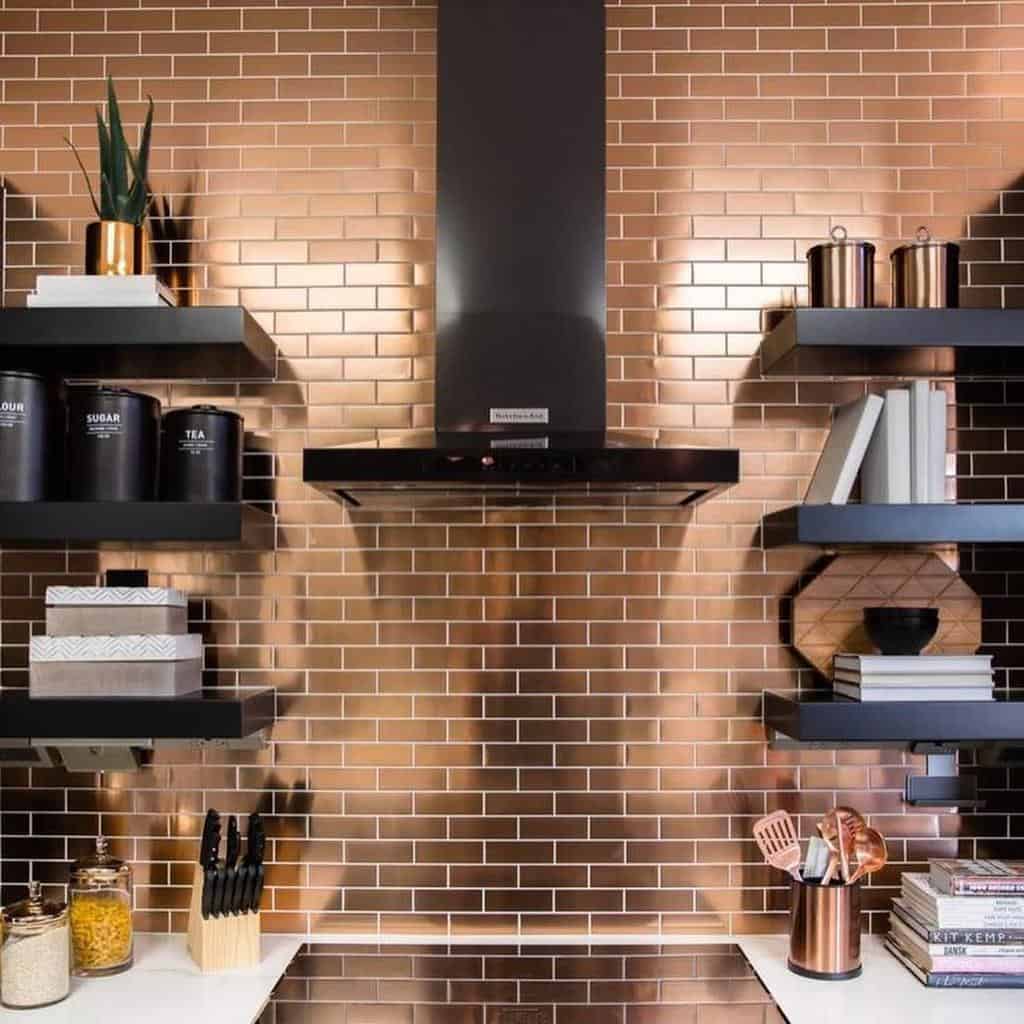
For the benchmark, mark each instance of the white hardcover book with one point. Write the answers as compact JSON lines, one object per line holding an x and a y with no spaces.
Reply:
{"x":74,"y":284}
{"x":920,"y":432}
{"x":937,"y":445}
{"x":932,"y":680}
{"x":844,"y":451}
{"x":905,"y":694}
{"x":887,"y":664}
{"x":885,"y":475}
{"x":961,"y":911}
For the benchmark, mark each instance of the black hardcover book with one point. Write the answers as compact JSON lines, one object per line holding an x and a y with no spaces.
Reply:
{"x":956,"y":936}
{"x":953,"y":980}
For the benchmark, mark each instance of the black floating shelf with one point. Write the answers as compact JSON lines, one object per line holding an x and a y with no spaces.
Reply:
{"x":896,"y":342}
{"x":139,"y":342}
{"x":215,"y":715}
{"x":160,"y":523}
{"x":836,"y":525}
{"x":823,"y":717}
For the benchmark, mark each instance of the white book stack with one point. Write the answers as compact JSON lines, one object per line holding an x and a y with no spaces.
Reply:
{"x":921,"y":677}
{"x":896,"y":442}
{"x":91,"y":291}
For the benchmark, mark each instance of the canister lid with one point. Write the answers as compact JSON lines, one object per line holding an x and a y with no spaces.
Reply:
{"x":34,"y":913}
{"x":840,"y":240}
{"x":21,"y":375}
{"x":203,"y":410}
{"x":923,"y":240}
{"x":99,"y":867}
{"x":91,"y":392}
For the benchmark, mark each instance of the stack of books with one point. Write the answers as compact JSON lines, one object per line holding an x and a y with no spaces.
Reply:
{"x":924,"y":677}
{"x":89,"y":290}
{"x":896,"y":442}
{"x":962,"y":925}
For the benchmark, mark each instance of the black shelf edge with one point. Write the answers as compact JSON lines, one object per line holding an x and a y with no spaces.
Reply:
{"x":837,"y":525}
{"x":215,"y":715}
{"x":137,"y":342}
{"x":823,"y":717}
{"x":159,"y":523}
{"x":896,"y":342}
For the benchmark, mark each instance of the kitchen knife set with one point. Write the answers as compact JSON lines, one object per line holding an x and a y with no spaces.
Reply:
{"x":231,"y":887}
{"x":845,"y":846}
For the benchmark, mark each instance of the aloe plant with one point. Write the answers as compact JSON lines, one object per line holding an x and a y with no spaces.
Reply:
{"x":118,"y":199}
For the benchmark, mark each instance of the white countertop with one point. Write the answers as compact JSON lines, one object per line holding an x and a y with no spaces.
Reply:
{"x":885,"y":991}
{"x":165,"y":987}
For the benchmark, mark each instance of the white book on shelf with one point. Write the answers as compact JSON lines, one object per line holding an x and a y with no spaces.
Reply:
{"x":885,"y":475}
{"x":886,"y":664}
{"x":844,"y":451}
{"x":937,"y":418}
{"x":920,"y":432}
{"x":943,"y":911}
{"x":923,"y":681}
{"x":878,"y":695}
{"x":89,"y":290}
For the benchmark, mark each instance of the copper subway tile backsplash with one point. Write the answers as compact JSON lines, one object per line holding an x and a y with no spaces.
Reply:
{"x":538,"y":720}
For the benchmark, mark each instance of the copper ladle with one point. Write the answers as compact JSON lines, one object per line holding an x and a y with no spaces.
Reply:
{"x":869,"y":852}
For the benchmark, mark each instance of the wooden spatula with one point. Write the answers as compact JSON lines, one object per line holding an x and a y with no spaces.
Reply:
{"x":776,"y":838}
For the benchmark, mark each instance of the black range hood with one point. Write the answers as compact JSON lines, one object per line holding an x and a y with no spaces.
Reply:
{"x":521,"y":305}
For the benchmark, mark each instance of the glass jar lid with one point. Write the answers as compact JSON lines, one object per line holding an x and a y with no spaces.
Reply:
{"x":99,"y":868}
{"x":34,"y":914}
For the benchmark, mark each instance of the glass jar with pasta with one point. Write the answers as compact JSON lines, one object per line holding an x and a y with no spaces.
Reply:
{"x":100,"y":910}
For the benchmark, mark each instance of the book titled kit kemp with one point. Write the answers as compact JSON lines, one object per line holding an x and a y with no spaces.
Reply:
{"x":978,"y":877}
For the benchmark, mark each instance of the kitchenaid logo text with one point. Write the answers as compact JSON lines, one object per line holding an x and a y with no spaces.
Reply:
{"x":520,"y":415}
{"x":102,"y":417}
{"x":12,"y":406}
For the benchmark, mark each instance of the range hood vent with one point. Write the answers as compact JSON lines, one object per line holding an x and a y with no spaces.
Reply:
{"x":459,"y":470}
{"x":521,"y":296}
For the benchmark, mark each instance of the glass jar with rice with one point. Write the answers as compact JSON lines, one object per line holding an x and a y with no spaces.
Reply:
{"x":100,"y":901}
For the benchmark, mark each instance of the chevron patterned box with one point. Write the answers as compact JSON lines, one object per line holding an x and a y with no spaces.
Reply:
{"x":115,"y":611}
{"x":115,"y":666}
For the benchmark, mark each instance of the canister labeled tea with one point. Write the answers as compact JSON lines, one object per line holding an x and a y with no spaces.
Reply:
{"x":202,"y":454}
{"x":113,"y":444}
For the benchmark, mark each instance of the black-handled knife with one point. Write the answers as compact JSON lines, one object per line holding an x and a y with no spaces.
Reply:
{"x":253,"y":882}
{"x":234,"y":842}
{"x":225,"y":876}
{"x":208,"y":851}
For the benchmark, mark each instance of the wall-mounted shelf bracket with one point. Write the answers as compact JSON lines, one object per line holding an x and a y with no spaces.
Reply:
{"x":941,"y":785}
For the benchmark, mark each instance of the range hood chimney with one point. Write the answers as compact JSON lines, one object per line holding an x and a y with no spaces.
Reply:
{"x":520,"y":403}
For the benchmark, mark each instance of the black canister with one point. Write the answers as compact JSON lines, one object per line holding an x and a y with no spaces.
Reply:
{"x":113,"y":444}
{"x":202,"y":454}
{"x":25,"y":435}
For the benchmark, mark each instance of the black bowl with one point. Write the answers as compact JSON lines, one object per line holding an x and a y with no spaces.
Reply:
{"x":901,"y":630}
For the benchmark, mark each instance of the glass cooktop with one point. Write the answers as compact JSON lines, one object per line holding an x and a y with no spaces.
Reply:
{"x":556,"y":984}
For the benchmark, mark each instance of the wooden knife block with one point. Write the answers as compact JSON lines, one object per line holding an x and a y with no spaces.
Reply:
{"x":221,"y":943}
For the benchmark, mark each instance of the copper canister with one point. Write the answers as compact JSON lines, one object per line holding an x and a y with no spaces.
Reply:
{"x":926,"y":274}
{"x":841,"y":273}
{"x":824,"y":938}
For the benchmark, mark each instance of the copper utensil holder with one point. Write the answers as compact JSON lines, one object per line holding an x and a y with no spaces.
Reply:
{"x":824,"y":938}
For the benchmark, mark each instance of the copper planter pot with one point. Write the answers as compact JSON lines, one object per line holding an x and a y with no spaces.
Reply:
{"x":114,"y":248}
{"x":824,"y":939}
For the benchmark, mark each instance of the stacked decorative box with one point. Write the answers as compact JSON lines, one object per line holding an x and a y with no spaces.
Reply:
{"x":115,"y":642}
